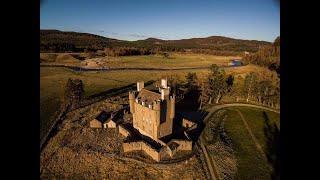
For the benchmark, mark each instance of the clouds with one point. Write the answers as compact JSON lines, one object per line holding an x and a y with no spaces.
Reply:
{"x":132,"y":36}
{"x":137,"y":35}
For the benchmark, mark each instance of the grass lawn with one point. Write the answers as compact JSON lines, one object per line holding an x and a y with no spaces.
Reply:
{"x":144,"y":61}
{"x":178,"y":60}
{"x":251,"y":164}
{"x":255,"y":119}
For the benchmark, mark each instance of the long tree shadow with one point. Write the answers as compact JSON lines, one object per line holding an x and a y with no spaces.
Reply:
{"x":111,"y":92}
{"x":272,"y":149}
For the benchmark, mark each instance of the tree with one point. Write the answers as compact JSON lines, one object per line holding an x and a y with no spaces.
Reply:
{"x":250,"y":85}
{"x":73,"y":94}
{"x":237,"y":88}
{"x":192,"y":80}
{"x":267,"y":56}
{"x":174,"y":82}
{"x":217,"y":83}
{"x":230,"y":81}
{"x":205,"y":91}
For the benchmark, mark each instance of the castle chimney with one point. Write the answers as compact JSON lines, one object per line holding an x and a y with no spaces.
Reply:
{"x":164,"y":93}
{"x":140,"y":85}
{"x":164,"y":83}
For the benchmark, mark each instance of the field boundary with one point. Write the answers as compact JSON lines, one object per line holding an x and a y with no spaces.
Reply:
{"x":253,"y":137}
{"x":215,"y":108}
{"x":46,"y":138}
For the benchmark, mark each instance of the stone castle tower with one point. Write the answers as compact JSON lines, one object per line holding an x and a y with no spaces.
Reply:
{"x":153,"y":112}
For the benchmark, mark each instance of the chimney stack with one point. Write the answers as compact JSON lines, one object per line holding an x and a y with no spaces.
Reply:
{"x":164,"y":83}
{"x":140,"y":85}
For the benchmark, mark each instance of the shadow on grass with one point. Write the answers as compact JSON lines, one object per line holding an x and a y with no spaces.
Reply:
{"x":272,"y":150}
{"x":111,"y":92}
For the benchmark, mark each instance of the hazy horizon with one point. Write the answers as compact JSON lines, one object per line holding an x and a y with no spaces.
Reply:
{"x":167,"y":20}
{"x":157,"y":37}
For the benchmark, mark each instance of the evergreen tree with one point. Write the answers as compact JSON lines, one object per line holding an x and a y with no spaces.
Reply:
{"x":192,"y":80}
{"x":250,"y":85}
{"x":217,"y":83}
{"x":205,"y":91}
{"x":73,"y":94}
{"x":237,"y":88}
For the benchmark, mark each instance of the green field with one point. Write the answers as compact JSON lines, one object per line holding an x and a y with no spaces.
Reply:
{"x":144,"y":61}
{"x":251,"y":163}
{"x":177,"y":60}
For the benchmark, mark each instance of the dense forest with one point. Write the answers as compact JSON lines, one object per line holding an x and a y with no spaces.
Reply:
{"x":267,"y":56}
{"x":59,"y":41}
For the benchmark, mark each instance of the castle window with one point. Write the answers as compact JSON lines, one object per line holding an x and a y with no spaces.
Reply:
{"x":143,"y":127}
{"x":150,"y":116}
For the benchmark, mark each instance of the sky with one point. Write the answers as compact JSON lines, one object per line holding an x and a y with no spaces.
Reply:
{"x":164,"y":19}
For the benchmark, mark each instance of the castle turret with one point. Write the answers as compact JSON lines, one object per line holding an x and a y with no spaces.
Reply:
{"x":132,"y":97}
{"x":172,"y":106}
{"x":156,"y":108}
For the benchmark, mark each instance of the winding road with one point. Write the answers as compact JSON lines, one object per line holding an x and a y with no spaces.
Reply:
{"x":210,"y":161}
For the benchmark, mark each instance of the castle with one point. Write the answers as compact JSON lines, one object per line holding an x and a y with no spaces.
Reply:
{"x":151,"y":130}
{"x":152,"y":112}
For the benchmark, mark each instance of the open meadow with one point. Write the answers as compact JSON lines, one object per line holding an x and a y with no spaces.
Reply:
{"x":236,"y":153}
{"x":176,"y":60}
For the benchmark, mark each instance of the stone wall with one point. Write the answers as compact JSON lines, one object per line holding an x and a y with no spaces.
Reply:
{"x":95,"y":124}
{"x":150,"y":151}
{"x":146,"y":120}
{"x":123,"y":131}
{"x":141,"y":145}
{"x":132,"y":146}
{"x":183,"y":144}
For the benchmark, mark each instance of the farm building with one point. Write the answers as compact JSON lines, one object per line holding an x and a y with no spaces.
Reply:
{"x":113,"y":121}
{"x":100,"y":120}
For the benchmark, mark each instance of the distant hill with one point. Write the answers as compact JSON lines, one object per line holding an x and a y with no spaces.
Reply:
{"x":218,"y":43}
{"x":59,"y":40}
{"x":74,"y":41}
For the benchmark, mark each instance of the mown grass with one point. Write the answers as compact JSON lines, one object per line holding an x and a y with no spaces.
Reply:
{"x":256,"y":121}
{"x":145,"y":61}
{"x":251,"y":164}
{"x":177,"y":60}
